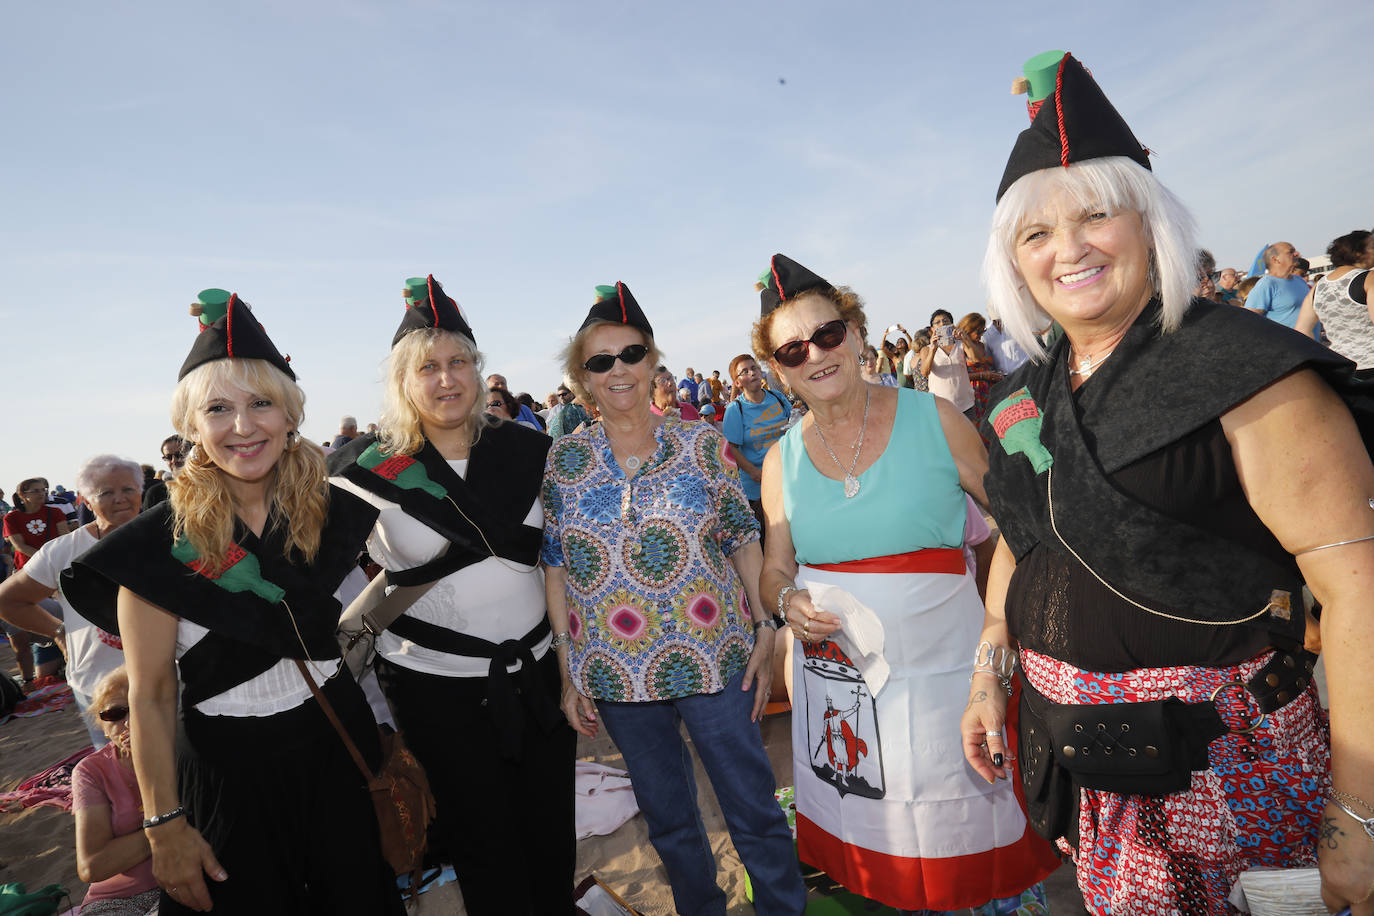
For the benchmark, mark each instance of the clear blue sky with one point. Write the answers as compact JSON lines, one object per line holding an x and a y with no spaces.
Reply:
{"x":312,"y":154}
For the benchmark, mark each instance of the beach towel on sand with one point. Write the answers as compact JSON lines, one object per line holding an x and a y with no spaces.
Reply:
{"x":51,"y":787}
{"x":15,"y":902}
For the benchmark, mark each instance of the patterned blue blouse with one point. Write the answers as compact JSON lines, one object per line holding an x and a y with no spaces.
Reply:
{"x":655,"y":608}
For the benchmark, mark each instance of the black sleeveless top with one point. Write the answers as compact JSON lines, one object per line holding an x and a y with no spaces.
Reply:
{"x":1056,"y":607}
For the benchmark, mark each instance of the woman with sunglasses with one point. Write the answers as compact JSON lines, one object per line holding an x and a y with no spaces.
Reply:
{"x":112,"y":852}
{"x":652,"y":565}
{"x":867,"y":495}
{"x":223,"y":597}
{"x":468,"y":666}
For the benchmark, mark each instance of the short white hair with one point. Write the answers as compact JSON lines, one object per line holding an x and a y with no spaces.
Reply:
{"x":94,"y":467}
{"x":1115,"y":184}
{"x":348,"y":423}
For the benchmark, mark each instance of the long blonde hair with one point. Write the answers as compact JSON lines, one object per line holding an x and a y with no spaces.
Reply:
{"x":401,"y":432}
{"x":203,"y":507}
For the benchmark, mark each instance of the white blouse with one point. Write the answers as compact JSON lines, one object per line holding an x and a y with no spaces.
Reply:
{"x":495,"y":599}
{"x":277,"y":689}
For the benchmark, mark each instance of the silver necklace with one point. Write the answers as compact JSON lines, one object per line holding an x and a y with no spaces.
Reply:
{"x":1087,"y":365}
{"x":851,"y":483}
{"x":633,"y":462}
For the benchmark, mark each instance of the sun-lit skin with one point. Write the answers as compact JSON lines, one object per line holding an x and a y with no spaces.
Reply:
{"x":243,"y":434}
{"x":1087,"y":268}
{"x":115,"y":497}
{"x":826,"y":373}
{"x":443,"y":387}
{"x":622,"y":389}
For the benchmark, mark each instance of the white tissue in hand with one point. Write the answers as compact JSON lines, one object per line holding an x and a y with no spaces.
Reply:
{"x":860,"y":635}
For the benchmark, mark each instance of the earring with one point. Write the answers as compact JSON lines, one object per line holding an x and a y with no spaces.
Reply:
{"x":293,"y":440}
{"x":863,"y":361}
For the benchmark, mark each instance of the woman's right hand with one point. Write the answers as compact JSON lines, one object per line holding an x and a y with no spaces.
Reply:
{"x":181,"y":860}
{"x":806,"y":622}
{"x":983,"y":727}
{"x":579,"y":710}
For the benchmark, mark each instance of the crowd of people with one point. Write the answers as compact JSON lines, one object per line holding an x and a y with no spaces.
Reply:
{"x":1168,"y":474}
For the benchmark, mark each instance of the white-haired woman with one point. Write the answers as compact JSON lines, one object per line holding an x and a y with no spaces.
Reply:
{"x":111,"y":487}
{"x":112,"y":852}
{"x":653,"y":563}
{"x":1165,"y":478}
{"x":225,"y":606}
{"x":468,"y":666}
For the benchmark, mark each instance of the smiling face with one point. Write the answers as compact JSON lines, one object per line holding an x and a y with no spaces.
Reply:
{"x":242,"y":433}
{"x":115,"y":496}
{"x":827,"y":374}
{"x":444,"y":387}
{"x":1085,"y":266}
{"x":622,"y":389}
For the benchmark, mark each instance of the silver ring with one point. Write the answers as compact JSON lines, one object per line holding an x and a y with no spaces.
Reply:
{"x":993,"y":734}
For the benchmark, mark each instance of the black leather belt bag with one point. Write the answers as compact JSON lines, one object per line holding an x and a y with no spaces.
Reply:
{"x":1147,"y":748}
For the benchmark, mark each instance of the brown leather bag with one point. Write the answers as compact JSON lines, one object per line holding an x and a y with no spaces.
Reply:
{"x":400,"y":793}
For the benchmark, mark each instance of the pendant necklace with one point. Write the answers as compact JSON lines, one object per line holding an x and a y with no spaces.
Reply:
{"x":851,"y":483}
{"x":1087,"y":365}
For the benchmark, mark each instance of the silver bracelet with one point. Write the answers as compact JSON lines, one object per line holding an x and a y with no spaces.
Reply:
{"x":560,"y":639}
{"x":1366,"y":822}
{"x":782,"y":599}
{"x":999,"y":661}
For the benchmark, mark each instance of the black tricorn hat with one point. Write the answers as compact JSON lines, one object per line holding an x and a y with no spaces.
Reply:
{"x":616,"y":303}
{"x":428,"y":306}
{"x":785,"y":280}
{"x":1071,"y":120}
{"x":234,"y":335}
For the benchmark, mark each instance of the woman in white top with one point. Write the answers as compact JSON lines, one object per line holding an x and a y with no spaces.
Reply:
{"x":468,"y":667}
{"x":1342,"y":299}
{"x":942,"y":363}
{"x":225,"y":600}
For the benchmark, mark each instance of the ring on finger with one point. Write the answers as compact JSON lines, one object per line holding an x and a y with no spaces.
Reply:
{"x":991,"y":734}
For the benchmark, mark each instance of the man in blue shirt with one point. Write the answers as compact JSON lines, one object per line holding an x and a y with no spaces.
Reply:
{"x":689,"y":381}
{"x":1278,"y":295}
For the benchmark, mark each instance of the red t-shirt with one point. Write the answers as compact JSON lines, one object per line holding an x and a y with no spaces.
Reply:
{"x":34,"y":528}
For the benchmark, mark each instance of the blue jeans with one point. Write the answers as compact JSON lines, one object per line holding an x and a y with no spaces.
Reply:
{"x":732,"y":754}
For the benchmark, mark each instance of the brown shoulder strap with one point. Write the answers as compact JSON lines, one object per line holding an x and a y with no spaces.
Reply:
{"x":334,"y":721}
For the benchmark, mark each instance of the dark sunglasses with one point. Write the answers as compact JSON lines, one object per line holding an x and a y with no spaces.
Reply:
{"x":827,"y":337}
{"x":114,"y":714}
{"x":602,"y":362}
{"x":501,"y":404}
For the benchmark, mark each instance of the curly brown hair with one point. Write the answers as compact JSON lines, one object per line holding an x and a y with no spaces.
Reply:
{"x":847,"y":303}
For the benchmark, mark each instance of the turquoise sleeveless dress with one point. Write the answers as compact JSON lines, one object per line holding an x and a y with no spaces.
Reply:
{"x":886,"y":803}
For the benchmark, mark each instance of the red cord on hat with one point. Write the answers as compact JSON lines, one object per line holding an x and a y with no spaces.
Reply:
{"x":229,"y":324}
{"x":1059,"y":109}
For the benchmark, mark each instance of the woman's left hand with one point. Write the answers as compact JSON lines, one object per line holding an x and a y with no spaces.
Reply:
{"x":759,"y":671}
{"x":1346,"y":859}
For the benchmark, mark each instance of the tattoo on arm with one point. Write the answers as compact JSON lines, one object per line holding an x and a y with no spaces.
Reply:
{"x":1329,"y":830}
{"x":978,"y":697}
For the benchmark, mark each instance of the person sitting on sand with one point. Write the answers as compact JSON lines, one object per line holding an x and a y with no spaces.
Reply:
{"x":112,"y":852}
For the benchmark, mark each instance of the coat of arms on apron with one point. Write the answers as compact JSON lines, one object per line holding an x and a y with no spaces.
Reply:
{"x":842,"y":723}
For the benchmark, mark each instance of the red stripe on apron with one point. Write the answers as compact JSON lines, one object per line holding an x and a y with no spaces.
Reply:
{"x":931,"y":560}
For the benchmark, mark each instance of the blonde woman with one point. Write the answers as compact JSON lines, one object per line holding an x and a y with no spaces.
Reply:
{"x":220,"y":591}
{"x":468,"y":667}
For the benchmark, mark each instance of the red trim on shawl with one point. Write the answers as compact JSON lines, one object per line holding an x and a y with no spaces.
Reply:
{"x":229,"y":324}
{"x":620,"y":292}
{"x":931,"y":560}
{"x":1059,"y":109}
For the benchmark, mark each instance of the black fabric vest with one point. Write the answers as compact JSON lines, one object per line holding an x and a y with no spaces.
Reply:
{"x":504,"y":476}
{"x":248,"y":634}
{"x":1154,"y":389}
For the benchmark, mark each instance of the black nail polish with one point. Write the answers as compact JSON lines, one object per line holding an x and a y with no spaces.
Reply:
{"x":997,"y":760}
